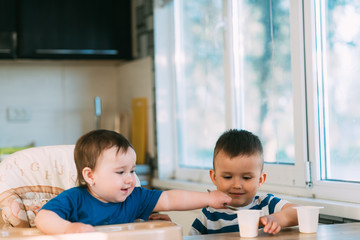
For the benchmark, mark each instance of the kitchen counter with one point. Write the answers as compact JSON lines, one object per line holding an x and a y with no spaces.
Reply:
{"x":326,"y":232}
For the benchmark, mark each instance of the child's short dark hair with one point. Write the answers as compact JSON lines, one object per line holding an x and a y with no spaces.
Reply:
{"x":91,"y":145}
{"x":235,"y":142}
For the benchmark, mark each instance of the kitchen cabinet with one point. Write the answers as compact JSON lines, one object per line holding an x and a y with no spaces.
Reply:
{"x":69,"y":29}
{"x":7,"y":29}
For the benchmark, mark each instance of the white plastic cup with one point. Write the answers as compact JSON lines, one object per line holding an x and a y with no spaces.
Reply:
{"x":308,"y":218}
{"x":248,"y":222}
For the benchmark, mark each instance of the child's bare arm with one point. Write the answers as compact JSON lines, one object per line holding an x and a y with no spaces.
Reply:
{"x":178,"y":200}
{"x":285,"y":218}
{"x":50,"y":223}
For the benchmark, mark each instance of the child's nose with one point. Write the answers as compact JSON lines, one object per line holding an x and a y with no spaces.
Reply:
{"x":129,"y":178}
{"x":237,"y":183}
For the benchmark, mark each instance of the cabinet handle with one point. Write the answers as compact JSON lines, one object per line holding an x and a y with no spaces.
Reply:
{"x":6,"y":50}
{"x":77,"y":51}
{"x":14,"y":39}
{"x":12,"y":50}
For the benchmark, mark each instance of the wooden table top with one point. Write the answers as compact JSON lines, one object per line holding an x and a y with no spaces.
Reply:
{"x":327,"y":232}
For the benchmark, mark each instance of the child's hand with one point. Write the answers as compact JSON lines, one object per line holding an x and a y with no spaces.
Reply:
{"x":270,"y":224}
{"x":78,"y":227}
{"x":218,"y":199}
{"x":159,"y":216}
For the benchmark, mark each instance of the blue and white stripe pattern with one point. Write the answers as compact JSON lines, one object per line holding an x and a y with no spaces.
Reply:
{"x":225,"y":220}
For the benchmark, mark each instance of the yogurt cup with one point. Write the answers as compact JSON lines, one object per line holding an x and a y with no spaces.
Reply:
{"x":308,"y":218}
{"x":249,"y":222}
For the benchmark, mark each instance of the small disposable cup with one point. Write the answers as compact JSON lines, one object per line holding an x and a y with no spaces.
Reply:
{"x":249,"y":222}
{"x":308,"y":218}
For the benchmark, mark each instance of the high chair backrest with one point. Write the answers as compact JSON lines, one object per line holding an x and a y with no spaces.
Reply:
{"x":29,"y":178}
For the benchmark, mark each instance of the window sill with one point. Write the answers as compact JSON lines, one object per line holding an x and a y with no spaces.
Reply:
{"x":331,"y":208}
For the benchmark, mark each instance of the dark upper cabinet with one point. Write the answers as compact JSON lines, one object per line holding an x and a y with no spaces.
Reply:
{"x":72,"y":29}
{"x":8,"y":29}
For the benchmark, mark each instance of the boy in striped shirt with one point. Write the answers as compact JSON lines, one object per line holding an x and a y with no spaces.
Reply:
{"x":238,"y":172}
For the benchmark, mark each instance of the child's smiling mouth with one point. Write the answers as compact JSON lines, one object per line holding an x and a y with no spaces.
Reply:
{"x":125,"y":190}
{"x":236,"y":194}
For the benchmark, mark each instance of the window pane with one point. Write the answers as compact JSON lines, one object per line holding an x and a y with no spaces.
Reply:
{"x":265,"y":84}
{"x":200,"y":99}
{"x":339,"y":45}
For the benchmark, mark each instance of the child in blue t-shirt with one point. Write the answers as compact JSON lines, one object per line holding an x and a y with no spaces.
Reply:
{"x":238,"y":171}
{"x":105,"y":163}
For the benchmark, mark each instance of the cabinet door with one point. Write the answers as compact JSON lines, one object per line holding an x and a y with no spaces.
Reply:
{"x":68,"y":29}
{"x":7,"y":28}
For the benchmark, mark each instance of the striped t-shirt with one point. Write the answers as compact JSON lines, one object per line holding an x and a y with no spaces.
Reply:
{"x":225,"y":220}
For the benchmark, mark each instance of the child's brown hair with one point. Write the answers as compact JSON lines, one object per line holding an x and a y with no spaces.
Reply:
{"x":235,"y":142}
{"x":91,"y":145}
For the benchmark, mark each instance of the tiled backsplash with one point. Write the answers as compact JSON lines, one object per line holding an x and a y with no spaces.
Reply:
{"x":59,"y":98}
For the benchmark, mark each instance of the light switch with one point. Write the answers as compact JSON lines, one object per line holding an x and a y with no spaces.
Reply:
{"x":18,"y":114}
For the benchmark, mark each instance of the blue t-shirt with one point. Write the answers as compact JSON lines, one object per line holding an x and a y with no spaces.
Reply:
{"x":78,"y":205}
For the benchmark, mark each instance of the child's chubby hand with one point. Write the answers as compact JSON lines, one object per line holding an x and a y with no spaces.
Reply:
{"x":159,"y":216}
{"x":78,"y":227}
{"x":271,"y":225}
{"x":218,"y":199}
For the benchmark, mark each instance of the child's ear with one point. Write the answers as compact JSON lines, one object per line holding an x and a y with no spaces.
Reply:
{"x":212,"y":176}
{"x":262,"y":179}
{"x":88,"y":176}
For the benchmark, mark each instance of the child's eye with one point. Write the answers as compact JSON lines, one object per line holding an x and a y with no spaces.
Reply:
{"x":227,"y":177}
{"x":247,"y":178}
{"x":133,"y":171}
{"x":121,"y":172}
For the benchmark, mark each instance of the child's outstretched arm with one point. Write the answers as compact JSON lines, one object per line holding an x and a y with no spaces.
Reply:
{"x":50,"y":223}
{"x":178,"y":200}
{"x":285,"y":218}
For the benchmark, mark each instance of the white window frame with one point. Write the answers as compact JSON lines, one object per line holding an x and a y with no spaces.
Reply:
{"x":301,"y":179}
{"x":331,"y":190}
{"x":294,"y":176}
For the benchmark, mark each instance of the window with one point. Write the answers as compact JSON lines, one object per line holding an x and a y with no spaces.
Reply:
{"x":285,"y":70}
{"x":199,"y":84}
{"x":263,"y":75}
{"x":338,"y":44}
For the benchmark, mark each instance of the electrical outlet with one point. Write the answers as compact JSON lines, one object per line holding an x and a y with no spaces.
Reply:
{"x":18,"y":114}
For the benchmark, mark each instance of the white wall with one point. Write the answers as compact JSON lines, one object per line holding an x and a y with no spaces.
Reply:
{"x":60,"y":97}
